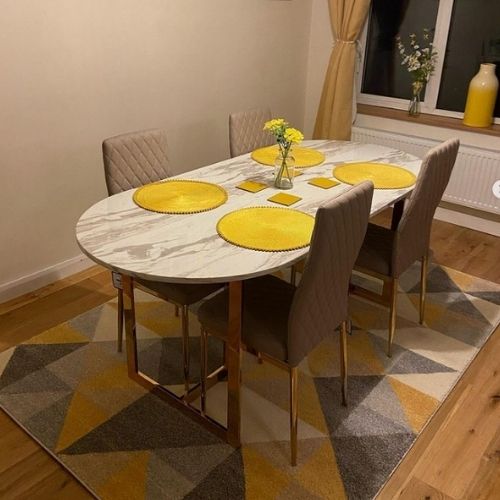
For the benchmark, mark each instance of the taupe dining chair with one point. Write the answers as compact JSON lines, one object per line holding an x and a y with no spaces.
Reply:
{"x":246,"y":131}
{"x":387,"y":253}
{"x":130,"y":161}
{"x":284,"y":323}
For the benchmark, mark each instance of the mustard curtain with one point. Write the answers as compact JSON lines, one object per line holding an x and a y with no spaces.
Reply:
{"x":334,"y":117}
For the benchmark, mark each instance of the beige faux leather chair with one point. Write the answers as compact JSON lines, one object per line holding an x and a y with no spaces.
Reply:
{"x":284,"y":323}
{"x":387,"y":253}
{"x":130,"y":161}
{"x":246,"y":131}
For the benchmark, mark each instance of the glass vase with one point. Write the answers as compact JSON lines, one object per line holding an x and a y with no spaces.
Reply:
{"x":414,"y":106}
{"x":284,"y":169}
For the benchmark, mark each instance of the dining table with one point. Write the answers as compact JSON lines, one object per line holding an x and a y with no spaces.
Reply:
{"x":186,"y":248}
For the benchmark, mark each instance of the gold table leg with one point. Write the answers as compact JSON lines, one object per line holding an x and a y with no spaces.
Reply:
{"x":180,"y":403}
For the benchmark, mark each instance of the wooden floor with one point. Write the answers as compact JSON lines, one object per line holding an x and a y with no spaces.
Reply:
{"x":457,"y":456}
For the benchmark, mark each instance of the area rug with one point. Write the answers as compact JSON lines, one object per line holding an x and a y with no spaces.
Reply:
{"x":68,"y":387}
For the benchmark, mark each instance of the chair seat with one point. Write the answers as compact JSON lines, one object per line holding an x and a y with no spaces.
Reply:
{"x":182,"y":294}
{"x":266,"y":304}
{"x":376,"y":251}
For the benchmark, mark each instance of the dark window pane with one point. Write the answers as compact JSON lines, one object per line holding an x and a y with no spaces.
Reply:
{"x":474,"y":38}
{"x":383,"y":73}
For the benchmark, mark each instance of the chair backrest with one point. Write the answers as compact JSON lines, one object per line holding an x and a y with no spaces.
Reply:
{"x":320,"y":301}
{"x":246,"y":131}
{"x":132,"y":160}
{"x":414,"y":228}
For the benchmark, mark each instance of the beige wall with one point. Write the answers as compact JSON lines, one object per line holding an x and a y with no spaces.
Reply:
{"x":74,"y":72}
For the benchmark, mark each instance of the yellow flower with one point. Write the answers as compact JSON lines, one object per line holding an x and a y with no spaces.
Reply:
{"x":275,"y":124}
{"x":293,"y":135}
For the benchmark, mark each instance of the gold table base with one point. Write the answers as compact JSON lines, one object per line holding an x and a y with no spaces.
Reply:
{"x":231,"y":433}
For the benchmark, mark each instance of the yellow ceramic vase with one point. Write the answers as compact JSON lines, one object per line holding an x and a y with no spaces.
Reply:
{"x":481,"y":97}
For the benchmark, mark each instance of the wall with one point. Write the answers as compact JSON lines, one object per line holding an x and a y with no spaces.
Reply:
{"x":75,"y":72}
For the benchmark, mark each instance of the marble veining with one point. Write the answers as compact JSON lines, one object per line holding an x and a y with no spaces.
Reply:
{"x":121,"y":236}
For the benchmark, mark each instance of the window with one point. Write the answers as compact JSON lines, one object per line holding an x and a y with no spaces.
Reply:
{"x":466,"y":33}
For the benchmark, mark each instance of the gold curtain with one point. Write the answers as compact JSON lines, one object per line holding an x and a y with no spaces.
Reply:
{"x":334,"y":117}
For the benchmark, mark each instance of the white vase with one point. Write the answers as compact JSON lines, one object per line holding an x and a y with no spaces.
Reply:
{"x":481,"y":98}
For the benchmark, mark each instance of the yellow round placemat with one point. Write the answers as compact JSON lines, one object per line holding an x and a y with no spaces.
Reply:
{"x":271,"y":229}
{"x":383,"y":175}
{"x":180,"y":196}
{"x":304,"y":157}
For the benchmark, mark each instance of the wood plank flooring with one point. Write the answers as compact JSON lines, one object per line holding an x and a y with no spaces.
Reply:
{"x":457,"y":456}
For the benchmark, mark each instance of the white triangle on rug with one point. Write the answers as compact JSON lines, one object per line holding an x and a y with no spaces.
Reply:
{"x":436,"y":385}
{"x":433,"y":345}
{"x":5,"y":357}
{"x":106,"y":328}
{"x":489,"y":310}
{"x":406,"y":308}
{"x":261,"y":420}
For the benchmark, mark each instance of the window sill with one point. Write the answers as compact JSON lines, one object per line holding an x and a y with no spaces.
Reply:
{"x":426,"y":119}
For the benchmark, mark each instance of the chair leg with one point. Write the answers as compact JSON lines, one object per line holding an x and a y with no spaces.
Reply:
{"x":423,"y":286}
{"x":343,"y":360}
{"x":120,"y":320}
{"x":185,"y":344}
{"x":294,"y":373}
{"x":349,"y":327}
{"x":293,"y":275}
{"x":259,"y":358}
{"x":392,"y":315}
{"x":203,"y":369}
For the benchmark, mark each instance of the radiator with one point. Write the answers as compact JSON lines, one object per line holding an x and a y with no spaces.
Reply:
{"x":474,"y":174}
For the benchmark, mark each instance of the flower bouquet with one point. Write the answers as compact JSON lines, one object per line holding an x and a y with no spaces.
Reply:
{"x":420,"y":61}
{"x":285,"y":137}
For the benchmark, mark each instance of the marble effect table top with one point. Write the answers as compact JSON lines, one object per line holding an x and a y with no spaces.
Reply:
{"x":123,"y":237}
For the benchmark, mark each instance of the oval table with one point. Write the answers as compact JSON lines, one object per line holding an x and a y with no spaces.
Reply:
{"x":137,"y":243}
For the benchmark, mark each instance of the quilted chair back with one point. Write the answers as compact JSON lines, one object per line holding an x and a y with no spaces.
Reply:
{"x":414,"y":228}
{"x":246,"y":131}
{"x":132,"y":160}
{"x":320,"y":302}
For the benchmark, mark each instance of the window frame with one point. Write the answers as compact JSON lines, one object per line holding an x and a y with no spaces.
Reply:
{"x":429,"y":102}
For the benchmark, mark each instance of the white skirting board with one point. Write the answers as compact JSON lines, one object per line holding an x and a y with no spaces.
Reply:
{"x":468,"y":220}
{"x":44,"y":277}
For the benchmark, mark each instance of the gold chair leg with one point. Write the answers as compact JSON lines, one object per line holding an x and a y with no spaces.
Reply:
{"x":185,"y":344}
{"x":120,"y":320}
{"x":343,"y":360}
{"x":203,"y":369}
{"x":293,"y":275}
{"x":259,"y":358}
{"x":392,"y":315}
{"x":294,"y":373}
{"x":423,"y":286}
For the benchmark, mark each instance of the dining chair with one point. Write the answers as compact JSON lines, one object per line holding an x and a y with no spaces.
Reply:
{"x":246,"y":131}
{"x":387,"y":253}
{"x":130,"y":161}
{"x":284,"y":323}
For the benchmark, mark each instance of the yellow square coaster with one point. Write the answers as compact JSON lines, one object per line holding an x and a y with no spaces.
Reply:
{"x":252,"y":186}
{"x":323,"y":182}
{"x":284,"y":199}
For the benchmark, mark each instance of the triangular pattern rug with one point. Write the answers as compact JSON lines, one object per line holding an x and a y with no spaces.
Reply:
{"x":68,"y":387}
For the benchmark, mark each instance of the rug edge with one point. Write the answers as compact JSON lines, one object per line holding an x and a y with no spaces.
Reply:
{"x":51,"y":453}
{"x":448,"y":394}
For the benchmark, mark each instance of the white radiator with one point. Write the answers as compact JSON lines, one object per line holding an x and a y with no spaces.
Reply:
{"x":474,"y":174}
